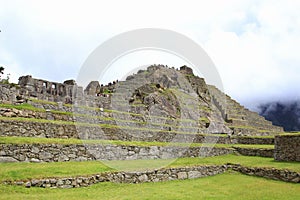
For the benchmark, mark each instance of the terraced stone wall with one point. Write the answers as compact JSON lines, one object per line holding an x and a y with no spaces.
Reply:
{"x":8,"y":93}
{"x":253,"y":140}
{"x":61,"y":130}
{"x":158,"y":175}
{"x":256,"y":152}
{"x":52,"y":130}
{"x":81,"y":152}
{"x":101,"y":125}
{"x":287,"y":147}
{"x":127,"y":177}
{"x":241,"y":120}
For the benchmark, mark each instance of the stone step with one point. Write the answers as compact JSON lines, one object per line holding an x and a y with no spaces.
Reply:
{"x":237,"y":115}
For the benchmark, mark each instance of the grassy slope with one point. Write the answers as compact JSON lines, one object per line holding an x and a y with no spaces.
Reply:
{"x":24,"y":171}
{"x":230,"y":185}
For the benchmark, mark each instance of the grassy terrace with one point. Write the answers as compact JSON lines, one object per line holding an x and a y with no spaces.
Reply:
{"x":230,"y":185}
{"x":25,"y":171}
{"x":291,"y":133}
{"x":32,"y":108}
{"x":24,"y":106}
{"x":110,"y":119}
{"x":114,"y":126}
{"x":105,"y":110}
{"x":258,"y":129}
{"x":59,"y":122}
{"x":74,"y":114}
{"x":264,"y":136}
{"x":20,"y":119}
{"x":30,"y":140}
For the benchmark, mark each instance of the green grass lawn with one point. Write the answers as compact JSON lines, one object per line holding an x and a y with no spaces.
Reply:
{"x":31,"y":140}
{"x":230,"y":185}
{"x":25,"y":171}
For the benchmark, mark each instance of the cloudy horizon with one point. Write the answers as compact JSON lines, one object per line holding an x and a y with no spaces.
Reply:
{"x":254,"y":44}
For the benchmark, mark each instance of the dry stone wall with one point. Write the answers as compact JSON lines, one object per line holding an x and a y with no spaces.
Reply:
{"x":271,"y":173}
{"x":8,"y":93}
{"x":254,"y":140}
{"x":255,"y":152}
{"x":158,"y":175}
{"x":60,"y":126}
{"x":287,"y":148}
{"x":81,"y":152}
{"x":57,"y":130}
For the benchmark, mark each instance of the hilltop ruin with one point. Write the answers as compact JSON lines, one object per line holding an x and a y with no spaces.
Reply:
{"x":159,"y":113}
{"x":172,"y":92}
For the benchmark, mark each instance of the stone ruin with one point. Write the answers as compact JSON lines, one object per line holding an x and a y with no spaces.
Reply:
{"x":59,"y":92}
{"x":92,"y":88}
{"x":38,"y":88}
{"x":54,"y":91}
{"x":220,"y":113}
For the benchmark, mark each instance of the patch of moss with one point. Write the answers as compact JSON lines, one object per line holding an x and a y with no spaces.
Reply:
{"x":204,"y":119}
{"x":24,"y":106}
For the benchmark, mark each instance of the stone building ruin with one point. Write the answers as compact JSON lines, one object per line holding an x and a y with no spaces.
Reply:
{"x":34,"y":87}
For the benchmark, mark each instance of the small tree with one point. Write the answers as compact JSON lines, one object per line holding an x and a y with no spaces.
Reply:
{"x":5,"y":81}
{"x":1,"y":70}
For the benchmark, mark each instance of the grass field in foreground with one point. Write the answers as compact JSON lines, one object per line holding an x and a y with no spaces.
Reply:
{"x":230,"y":185}
{"x":25,"y":171}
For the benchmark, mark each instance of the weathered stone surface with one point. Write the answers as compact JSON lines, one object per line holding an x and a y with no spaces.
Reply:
{"x":45,"y":156}
{"x":256,"y":152}
{"x":28,"y":184}
{"x":34,"y":160}
{"x":271,"y":173}
{"x":143,"y":178}
{"x":59,"y":152}
{"x":182,"y":175}
{"x":92,"y":88}
{"x":287,"y":148}
{"x":7,"y":159}
{"x":194,"y":174}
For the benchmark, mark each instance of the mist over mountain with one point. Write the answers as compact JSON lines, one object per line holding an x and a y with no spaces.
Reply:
{"x":285,"y":114}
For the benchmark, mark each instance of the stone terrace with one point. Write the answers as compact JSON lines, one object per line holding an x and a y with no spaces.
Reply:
{"x":241,"y":120}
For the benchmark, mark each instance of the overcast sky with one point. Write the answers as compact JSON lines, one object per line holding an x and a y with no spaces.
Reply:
{"x":255,"y":45}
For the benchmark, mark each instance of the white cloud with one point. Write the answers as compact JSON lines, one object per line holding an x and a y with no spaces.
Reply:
{"x":261,"y":62}
{"x":11,"y":67}
{"x":254,"y":44}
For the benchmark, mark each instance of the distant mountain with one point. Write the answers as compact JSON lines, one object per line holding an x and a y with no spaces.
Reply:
{"x":285,"y":114}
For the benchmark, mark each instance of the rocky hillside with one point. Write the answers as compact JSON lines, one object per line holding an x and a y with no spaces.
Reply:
{"x":179,"y":94}
{"x":155,"y":99}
